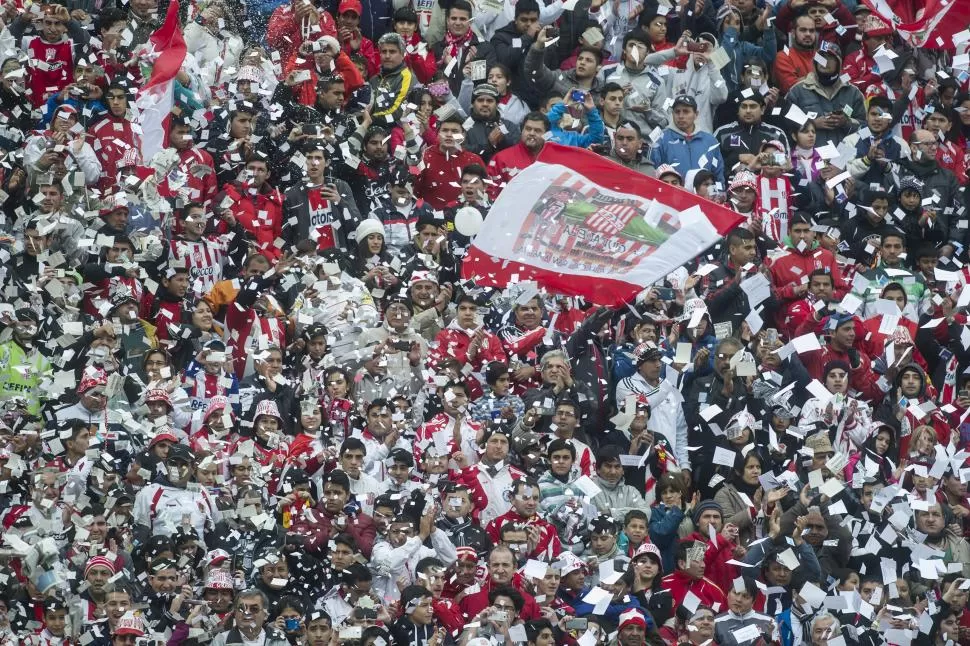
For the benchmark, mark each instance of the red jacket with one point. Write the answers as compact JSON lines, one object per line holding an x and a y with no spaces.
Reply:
{"x":716,"y":557}
{"x":111,"y":138}
{"x":448,"y":615}
{"x":440,"y":180}
{"x":506,"y":164}
{"x":703,"y":588}
{"x":475,"y":603}
{"x":861,"y":70}
{"x":454,"y":343}
{"x":791,"y":66}
{"x":368,"y":51}
{"x":861,"y":378}
{"x":285,"y":33}
{"x":953,"y":158}
{"x":549,"y":543}
{"x":200,"y":188}
{"x":261,"y":214}
{"x":305,"y":93}
{"x":788,"y":271}
{"x":874,"y":341}
{"x":423,"y":65}
{"x":317,"y":525}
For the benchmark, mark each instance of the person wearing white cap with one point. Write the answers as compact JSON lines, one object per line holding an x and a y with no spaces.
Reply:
{"x":57,"y":149}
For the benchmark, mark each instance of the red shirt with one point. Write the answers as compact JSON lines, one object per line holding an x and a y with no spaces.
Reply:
{"x":440,"y":180}
{"x":506,"y":164}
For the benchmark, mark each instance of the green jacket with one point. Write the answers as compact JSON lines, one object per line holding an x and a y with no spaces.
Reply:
{"x":21,"y":374}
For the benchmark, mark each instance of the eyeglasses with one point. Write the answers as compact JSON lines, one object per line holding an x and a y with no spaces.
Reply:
{"x":250,"y":609}
{"x":504,"y":607}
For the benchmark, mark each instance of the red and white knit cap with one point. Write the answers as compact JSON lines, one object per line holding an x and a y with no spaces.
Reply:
{"x":99,"y":561}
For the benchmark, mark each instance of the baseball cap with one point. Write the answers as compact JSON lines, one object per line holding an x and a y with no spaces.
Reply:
{"x":686,"y":99}
{"x":350,"y":5}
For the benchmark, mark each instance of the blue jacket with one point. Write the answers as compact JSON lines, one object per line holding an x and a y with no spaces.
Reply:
{"x":664,"y":522}
{"x":740,"y":51}
{"x":687,"y":152}
{"x":594,"y":131}
{"x":584,"y":609}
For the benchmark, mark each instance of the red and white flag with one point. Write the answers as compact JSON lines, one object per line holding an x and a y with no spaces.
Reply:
{"x":157,"y":98}
{"x":580,"y":224}
{"x":924,"y":23}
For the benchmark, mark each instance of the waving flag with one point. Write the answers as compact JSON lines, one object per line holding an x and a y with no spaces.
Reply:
{"x":156,"y":99}
{"x":580,"y":224}
{"x":924,"y":23}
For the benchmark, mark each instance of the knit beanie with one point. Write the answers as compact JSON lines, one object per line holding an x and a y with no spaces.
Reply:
{"x":703,"y":506}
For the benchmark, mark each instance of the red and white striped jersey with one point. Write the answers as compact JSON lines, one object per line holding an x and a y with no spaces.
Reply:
{"x":205,"y":260}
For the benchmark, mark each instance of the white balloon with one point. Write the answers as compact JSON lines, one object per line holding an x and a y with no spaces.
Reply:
{"x":468,"y":221}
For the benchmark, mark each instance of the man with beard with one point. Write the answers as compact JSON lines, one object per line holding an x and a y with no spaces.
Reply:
{"x":509,"y":162}
{"x":162,"y":506}
{"x":795,"y":62}
{"x":489,"y":133}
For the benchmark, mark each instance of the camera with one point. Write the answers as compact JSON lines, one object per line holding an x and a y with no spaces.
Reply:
{"x":403,"y":346}
{"x":696,"y":46}
{"x":578,"y":96}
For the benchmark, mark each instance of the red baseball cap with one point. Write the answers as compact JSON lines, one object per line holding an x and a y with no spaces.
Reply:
{"x":350,"y":5}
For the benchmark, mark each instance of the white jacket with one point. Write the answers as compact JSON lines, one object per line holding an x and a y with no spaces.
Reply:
{"x":666,"y":412}
{"x":389,"y":564}
{"x":849,"y":436}
{"x":84,"y":159}
{"x":161,"y":508}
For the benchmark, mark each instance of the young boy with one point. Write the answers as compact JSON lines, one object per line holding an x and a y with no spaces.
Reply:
{"x":920,"y":224}
{"x":399,"y":463}
{"x":55,"y":623}
{"x":863,"y":235}
{"x":634,"y":532}
{"x":666,"y":517}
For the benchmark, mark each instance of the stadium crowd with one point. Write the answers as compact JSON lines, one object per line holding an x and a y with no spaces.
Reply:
{"x":252,"y":395}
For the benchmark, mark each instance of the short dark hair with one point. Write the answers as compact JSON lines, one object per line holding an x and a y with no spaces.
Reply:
{"x":338,"y":478}
{"x":594,"y":51}
{"x":535,"y":115}
{"x":526,"y":6}
{"x":738,"y":236}
{"x":475,"y":169}
{"x":892,"y":233}
{"x":507,"y":591}
{"x":612,"y":86}
{"x":560,"y":444}
{"x":462,"y":5}
{"x":634,"y":514}
{"x":352,"y":444}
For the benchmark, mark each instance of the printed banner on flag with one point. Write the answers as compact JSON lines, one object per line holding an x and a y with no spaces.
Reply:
{"x":579,"y":224}
{"x":924,"y":23}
